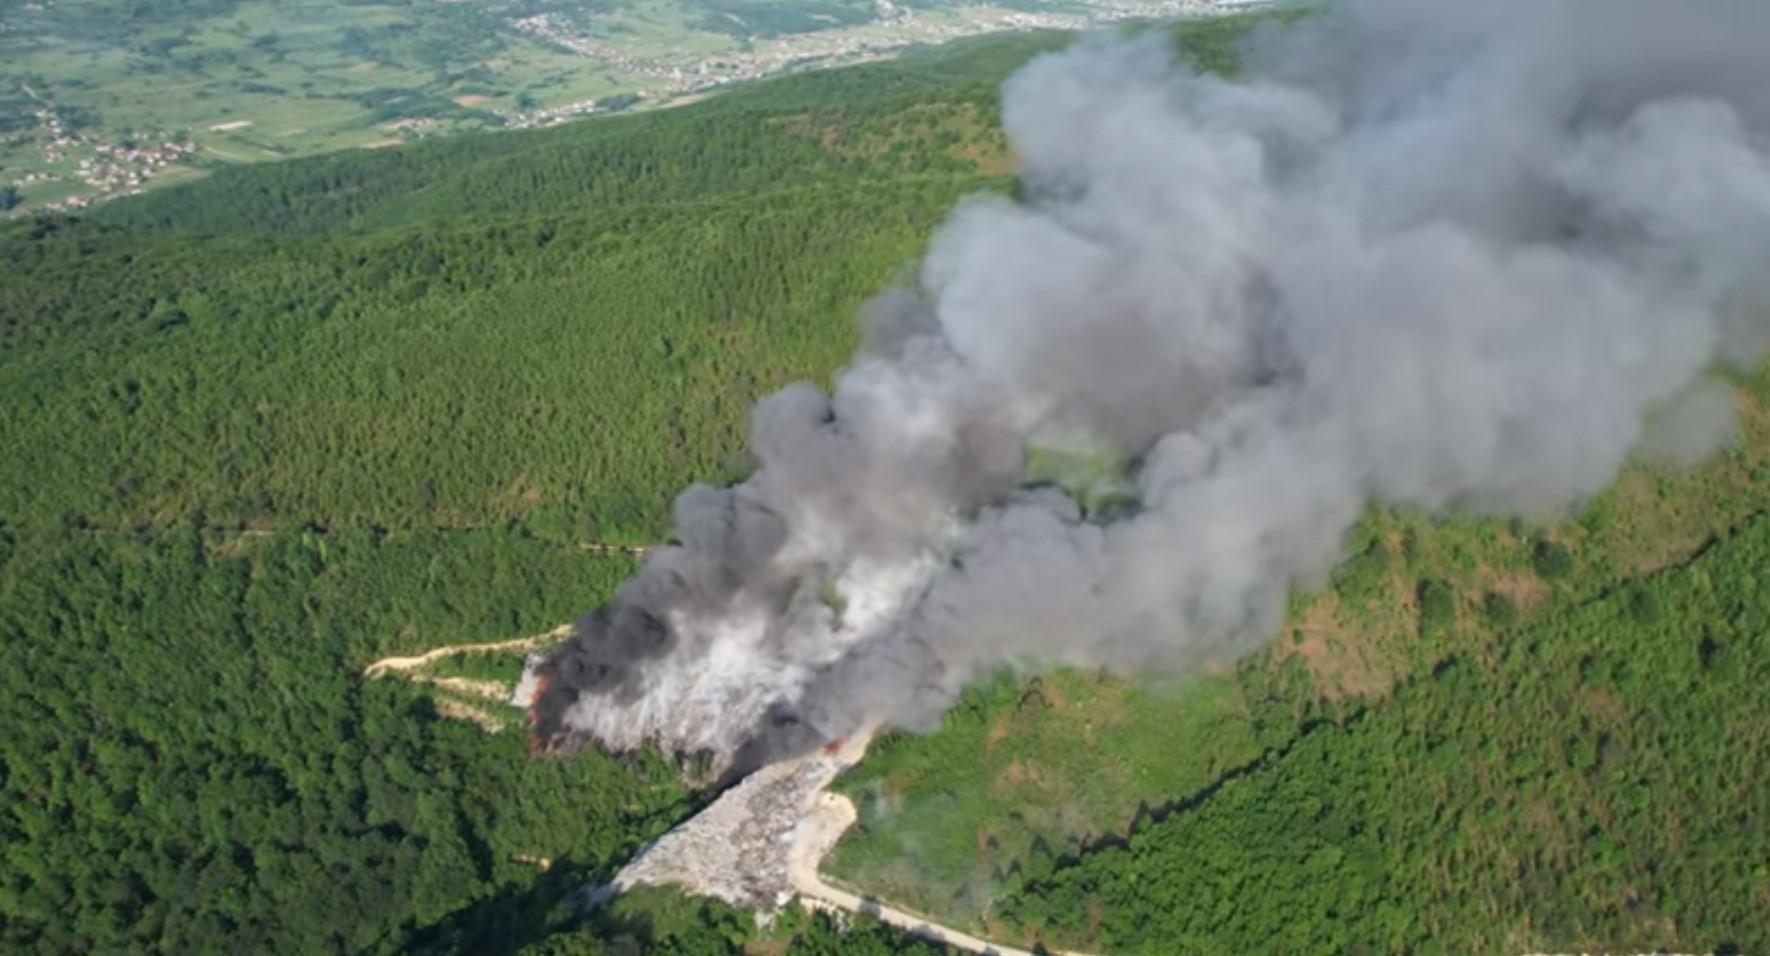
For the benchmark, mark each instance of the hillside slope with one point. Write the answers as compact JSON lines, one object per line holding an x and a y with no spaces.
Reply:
{"x":267,"y":428}
{"x":271,"y":428}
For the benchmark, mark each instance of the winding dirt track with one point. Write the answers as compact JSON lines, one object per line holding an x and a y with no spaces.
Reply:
{"x":826,"y":817}
{"x":386,"y":664}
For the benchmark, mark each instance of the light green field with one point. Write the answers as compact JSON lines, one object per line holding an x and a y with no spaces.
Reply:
{"x":246,"y":81}
{"x":253,"y":81}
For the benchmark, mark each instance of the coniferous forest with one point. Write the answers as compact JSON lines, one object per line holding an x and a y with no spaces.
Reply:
{"x":265,"y":429}
{"x":262,"y":429}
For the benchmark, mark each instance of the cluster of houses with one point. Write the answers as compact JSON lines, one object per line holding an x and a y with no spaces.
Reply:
{"x":110,"y":170}
{"x":553,"y":115}
{"x":677,"y":77}
{"x":116,"y":168}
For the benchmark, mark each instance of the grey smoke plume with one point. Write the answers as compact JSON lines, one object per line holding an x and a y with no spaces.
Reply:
{"x":1449,"y":255}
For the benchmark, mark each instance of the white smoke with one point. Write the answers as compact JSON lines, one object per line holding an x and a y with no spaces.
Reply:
{"x":1445,"y":255}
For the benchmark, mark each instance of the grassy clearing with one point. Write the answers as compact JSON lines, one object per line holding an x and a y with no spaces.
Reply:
{"x":1007,"y":790}
{"x":1021,"y":764}
{"x":1585,"y":785}
{"x":458,"y":357}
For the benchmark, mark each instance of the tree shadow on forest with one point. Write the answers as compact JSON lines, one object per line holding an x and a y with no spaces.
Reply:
{"x":516,"y":916}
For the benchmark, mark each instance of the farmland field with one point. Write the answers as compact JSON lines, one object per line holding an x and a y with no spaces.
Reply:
{"x":278,"y":420}
{"x":100,"y":98}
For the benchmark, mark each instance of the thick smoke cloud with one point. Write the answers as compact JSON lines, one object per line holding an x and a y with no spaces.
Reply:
{"x":1453,"y":256}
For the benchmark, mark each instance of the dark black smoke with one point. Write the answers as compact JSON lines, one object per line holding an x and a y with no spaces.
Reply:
{"x":1450,"y":255}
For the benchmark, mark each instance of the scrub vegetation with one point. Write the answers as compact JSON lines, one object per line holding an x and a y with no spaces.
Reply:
{"x":295,"y":418}
{"x":266,"y":428}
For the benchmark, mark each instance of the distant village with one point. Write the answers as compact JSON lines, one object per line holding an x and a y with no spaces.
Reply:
{"x":109,"y":169}
{"x":102,"y":169}
{"x":895,"y":28}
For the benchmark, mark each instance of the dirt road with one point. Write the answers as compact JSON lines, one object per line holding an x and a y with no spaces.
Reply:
{"x":829,"y":815}
{"x":823,"y":820}
{"x":387,"y":664}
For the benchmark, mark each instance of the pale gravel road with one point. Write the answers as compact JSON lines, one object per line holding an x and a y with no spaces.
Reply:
{"x":825,"y":820}
{"x":387,"y":664}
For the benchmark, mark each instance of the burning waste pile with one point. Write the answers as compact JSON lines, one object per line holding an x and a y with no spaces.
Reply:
{"x":759,"y":843}
{"x":1442,"y":255}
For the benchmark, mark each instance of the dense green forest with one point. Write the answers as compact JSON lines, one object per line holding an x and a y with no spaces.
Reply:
{"x":559,"y":329}
{"x":265,"y":430}
{"x":270,"y":426}
{"x":1593,"y":781}
{"x":650,"y":920}
{"x":467,"y":378}
{"x":1029,"y":771}
{"x":193,"y":764}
